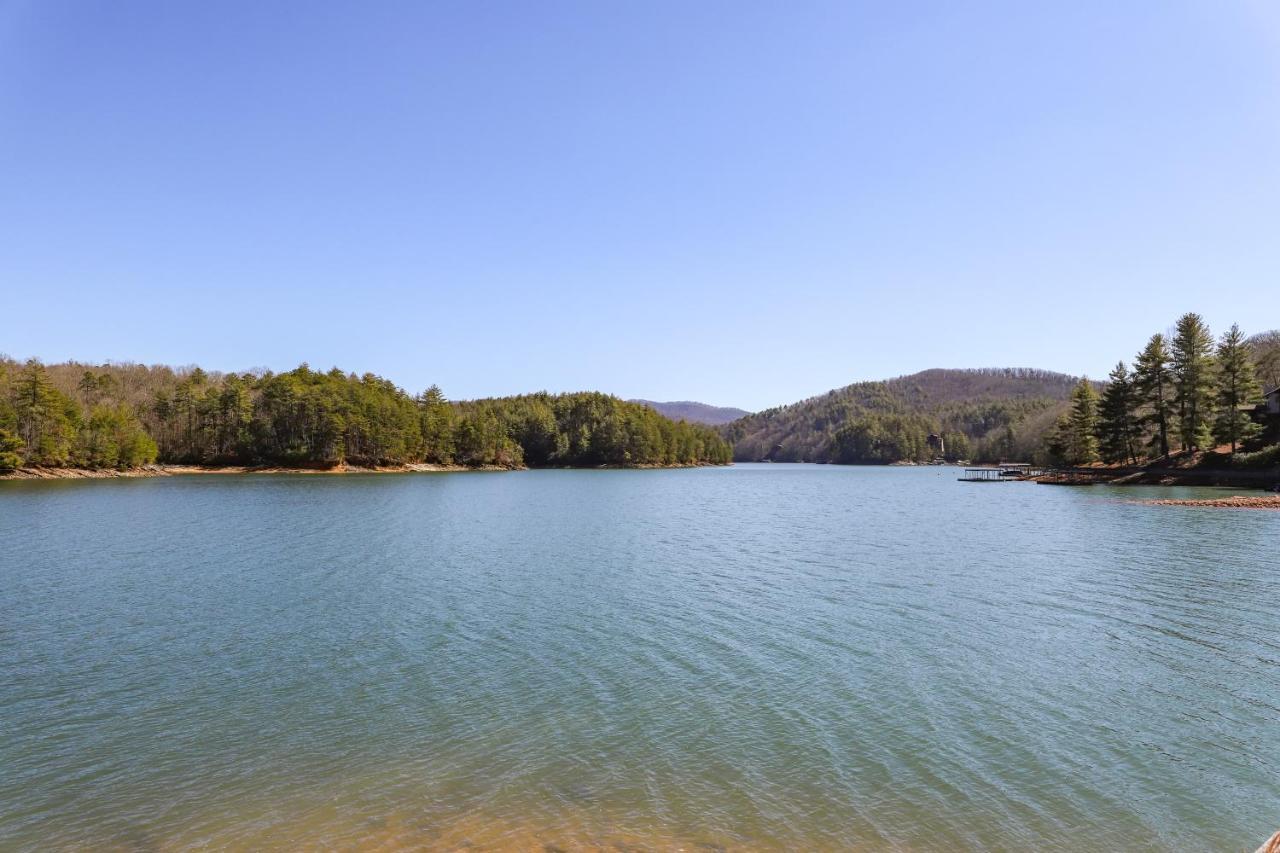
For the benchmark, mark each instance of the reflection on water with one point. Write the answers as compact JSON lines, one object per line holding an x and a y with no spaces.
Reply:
{"x":763,"y":657}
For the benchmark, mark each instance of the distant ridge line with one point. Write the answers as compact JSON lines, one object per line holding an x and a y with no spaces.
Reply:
{"x":694,"y":412}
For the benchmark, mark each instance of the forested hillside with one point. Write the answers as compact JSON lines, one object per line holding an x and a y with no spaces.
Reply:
{"x":123,"y":415}
{"x":697,"y":413}
{"x":996,"y":413}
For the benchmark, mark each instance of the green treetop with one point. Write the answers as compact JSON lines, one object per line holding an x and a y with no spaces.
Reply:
{"x":1193,"y":371}
{"x":1075,"y":437}
{"x":1238,"y":390}
{"x":1118,"y":425}
{"x":45,"y":416}
{"x":10,"y":444}
{"x":1153,"y":388}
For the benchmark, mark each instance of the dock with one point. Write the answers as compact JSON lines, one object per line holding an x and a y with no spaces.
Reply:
{"x":1003,"y":473}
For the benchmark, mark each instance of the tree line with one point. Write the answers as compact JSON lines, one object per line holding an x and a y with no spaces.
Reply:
{"x":119,"y":416}
{"x":1185,"y":393}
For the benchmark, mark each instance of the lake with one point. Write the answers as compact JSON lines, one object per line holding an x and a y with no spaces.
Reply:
{"x":755,"y":657}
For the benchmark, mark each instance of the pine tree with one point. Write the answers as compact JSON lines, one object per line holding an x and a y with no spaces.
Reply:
{"x":1153,"y":387}
{"x":1079,"y":443}
{"x":45,"y":417}
{"x":1117,"y":418}
{"x":1237,"y":388}
{"x":1058,"y":442}
{"x":234,"y":418}
{"x":436,"y":426}
{"x":10,"y":444}
{"x":1193,"y":371}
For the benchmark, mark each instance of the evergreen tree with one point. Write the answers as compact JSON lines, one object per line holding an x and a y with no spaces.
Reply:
{"x":1153,"y":387}
{"x":10,"y":444}
{"x":957,"y":444}
{"x":234,"y":419}
{"x":482,"y":440}
{"x":1058,"y":441}
{"x":1237,"y":388}
{"x":1073,"y":439}
{"x":93,"y":388}
{"x":1084,"y":422}
{"x":1193,"y":372}
{"x":436,"y":419}
{"x":45,"y":417}
{"x":1117,"y":418}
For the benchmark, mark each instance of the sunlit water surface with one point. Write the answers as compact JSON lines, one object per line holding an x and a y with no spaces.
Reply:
{"x":761,"y":657}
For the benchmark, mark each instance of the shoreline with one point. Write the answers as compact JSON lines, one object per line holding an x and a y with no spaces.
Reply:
{"x":146,"y":471}
{"x":1233,"y":502}
{"x":1112,"y":475}
{"x":166,"y":470}
{"x":1204,"y":477}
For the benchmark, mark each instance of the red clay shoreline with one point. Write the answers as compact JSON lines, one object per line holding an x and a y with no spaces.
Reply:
{"x":67,"y":473}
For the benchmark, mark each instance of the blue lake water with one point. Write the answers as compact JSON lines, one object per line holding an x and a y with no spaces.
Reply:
{"x":755,"y":657}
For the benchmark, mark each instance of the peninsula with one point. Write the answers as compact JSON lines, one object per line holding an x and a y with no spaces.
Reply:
{"x":68,"y":419}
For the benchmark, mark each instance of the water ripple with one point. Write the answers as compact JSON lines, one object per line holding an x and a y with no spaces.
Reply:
{"x":763,"y":657}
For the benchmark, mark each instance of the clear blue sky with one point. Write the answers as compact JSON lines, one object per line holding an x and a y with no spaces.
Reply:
{"x":740,"y":203}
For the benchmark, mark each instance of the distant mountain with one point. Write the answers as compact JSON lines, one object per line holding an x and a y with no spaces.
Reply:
{"x":696,"y":413}
{"x":979,"y":414}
